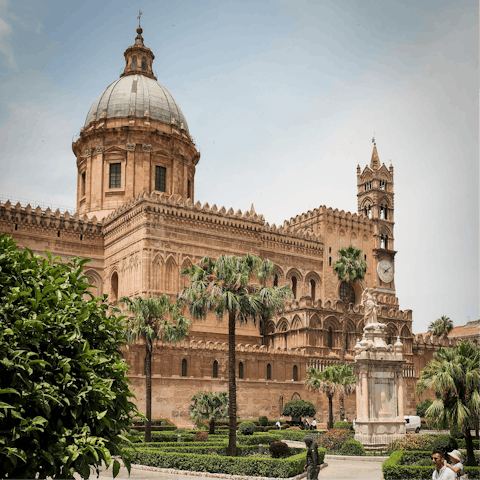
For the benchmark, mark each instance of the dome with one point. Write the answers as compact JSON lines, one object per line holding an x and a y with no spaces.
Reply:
{"x":138,"y":93}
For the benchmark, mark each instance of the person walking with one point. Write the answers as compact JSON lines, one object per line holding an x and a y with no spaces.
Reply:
{"x":311,"y":465}
{"x":441,"y":471}
{"x":278,"y":425}
{"x":455,"y":462}
{"x":314,"y":424}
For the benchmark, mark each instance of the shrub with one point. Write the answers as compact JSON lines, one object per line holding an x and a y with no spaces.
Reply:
{"x":200,"y":437}
{"x":462,"y":444}
{"x":246,"y":428}
{"x":421,"y":407}
{"x":264,"y":439}
{"x":352,"y":447}
{"x":263,"y":421}
{"x":456,"y":432}
{"x":424,"y":462}
{"x":279,"y":449}
{"x":341,"y":424}
{"x":411,"y":442}
{"x":446,"y":443}
{"x":334,"y":438}
{"x":299,"y":436}
{"x":294,"y":429}
{"x":64,"y":391}
{"x":299,"y":408}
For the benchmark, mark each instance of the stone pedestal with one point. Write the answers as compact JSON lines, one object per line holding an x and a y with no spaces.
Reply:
{"x":379,"y":374}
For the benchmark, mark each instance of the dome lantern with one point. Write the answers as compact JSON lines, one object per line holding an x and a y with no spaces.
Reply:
{"x":138,"y":58}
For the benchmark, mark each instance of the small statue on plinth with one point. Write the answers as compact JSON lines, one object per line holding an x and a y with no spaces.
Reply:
{"x":370,"y":315}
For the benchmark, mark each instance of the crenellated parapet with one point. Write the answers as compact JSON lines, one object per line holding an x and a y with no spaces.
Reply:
{"x":177,"y":206}
{"x":28,"y":218}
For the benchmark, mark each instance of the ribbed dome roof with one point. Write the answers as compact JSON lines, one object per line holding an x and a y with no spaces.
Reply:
{"x":138,"y":93}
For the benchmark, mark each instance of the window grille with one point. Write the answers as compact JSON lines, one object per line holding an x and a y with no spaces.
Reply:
{"x":240,"y":370}
{"x":215,"y":369}
{"x":269,"y":372}
{"x":160,"y":178}
{"x":295,"y":373}
{"x":84,"y":176}
{"x":144,"y":64}
{"x":115,"y":175}
{"x":184,"y":367}
{"x":330,"y":338}
{"x":134,"y":63}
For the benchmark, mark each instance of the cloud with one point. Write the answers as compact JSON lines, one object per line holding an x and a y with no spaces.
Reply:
{"x":9,"y":59}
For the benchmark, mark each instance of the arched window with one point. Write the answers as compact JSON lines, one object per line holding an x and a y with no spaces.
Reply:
{"x":269,"y":371}
{"x":347,"y":293}
{"x":134,"y":63}
{"x":275,"y":281}
{"x":294,"y":287}
{"x":385,"y":212}
{"x":114,"y":283}
{"x":189,"y":189}
{"x":312,"y":289}
{"x":240,"y":370}
{"x":184,"y":367}
{"x":144,"y":64}
{"x":215,"y":369}
{"x":330,"y":337}
{"x":295,"y":373}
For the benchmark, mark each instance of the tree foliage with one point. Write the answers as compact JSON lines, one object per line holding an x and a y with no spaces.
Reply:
{"x":422,"y":407}
{"x":209,"y":406}
{"x":153,"y":319}
{"x":441,"y":326}
{"x":299,"y":408}
{"x":334,"y":378}
{"x":238,"y":287}
{"x":454,"y":376}
{"x":64,"y":397}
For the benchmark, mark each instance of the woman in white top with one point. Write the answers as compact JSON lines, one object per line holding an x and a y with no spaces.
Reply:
{"x":455,"y":462}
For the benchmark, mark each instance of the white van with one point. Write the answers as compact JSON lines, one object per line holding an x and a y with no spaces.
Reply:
{"x":412,"y":422}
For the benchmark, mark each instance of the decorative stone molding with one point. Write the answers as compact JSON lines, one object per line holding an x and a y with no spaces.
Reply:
{"x":131,"y":147}
{"x":99,"y":148}
{"x":146,"y":148}
{"x":88,"y":152}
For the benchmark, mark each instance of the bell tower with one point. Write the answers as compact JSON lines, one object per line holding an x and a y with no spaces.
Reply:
{"x":375,"y":195}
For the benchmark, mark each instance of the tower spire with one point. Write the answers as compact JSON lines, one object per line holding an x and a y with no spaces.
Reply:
{"x":375,"y":161}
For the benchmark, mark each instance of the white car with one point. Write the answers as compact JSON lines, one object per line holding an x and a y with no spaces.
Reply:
{"x":412,"y":422}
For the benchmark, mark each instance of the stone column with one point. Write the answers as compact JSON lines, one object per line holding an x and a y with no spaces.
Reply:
{"x":130,"y":171}
{"x":365,"y":395}
{"x":359,"y":403}
{"x":88,"y":185}
{"x":400,"y":394}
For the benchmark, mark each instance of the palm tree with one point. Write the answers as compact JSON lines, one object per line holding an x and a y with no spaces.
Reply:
{"x":441,"y":326}
{"x":209,"y":406}
{"x":153,"y":319}
{"x":350,"y":268}
{"x":454,"y":376}
{"x":228,"y":285}
{"x":334,"y":378}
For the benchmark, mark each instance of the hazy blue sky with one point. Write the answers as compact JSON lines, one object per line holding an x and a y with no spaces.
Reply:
{"x":282,"y":98}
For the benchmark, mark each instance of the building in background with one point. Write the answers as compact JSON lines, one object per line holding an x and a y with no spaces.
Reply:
{"x":138,"y":220}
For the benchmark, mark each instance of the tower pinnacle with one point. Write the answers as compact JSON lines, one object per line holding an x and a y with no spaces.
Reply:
{"x":375,"y":161}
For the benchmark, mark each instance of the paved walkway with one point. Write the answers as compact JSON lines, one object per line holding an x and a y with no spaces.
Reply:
{"x":337,"y":468}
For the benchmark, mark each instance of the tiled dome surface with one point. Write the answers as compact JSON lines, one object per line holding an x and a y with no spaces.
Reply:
{"x":139,"y":93}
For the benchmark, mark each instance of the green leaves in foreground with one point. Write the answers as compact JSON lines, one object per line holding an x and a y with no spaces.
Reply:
{"x":64,"y":398}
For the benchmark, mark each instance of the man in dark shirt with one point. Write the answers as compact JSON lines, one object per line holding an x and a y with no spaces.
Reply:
{"x":312,"y":459}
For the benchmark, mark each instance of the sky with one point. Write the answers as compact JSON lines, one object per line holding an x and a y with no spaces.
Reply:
{"x":283,"y":98}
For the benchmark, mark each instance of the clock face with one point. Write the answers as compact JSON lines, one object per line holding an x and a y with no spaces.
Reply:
{"x":385,"y":271}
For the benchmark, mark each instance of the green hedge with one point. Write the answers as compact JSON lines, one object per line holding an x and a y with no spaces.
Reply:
{"x":242,"y":450}
{"x":257,"y":438}
{"x":251,"y":466}
{"x":463,"y":445}
{"x":396,"y":467}
{"x":300,"y":436}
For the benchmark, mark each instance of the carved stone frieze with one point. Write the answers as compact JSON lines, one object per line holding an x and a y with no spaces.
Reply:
{"x":99,"y":148}
{"x":88,"y":152}
{"x":146,"y":148}
{"x":131,"y":147}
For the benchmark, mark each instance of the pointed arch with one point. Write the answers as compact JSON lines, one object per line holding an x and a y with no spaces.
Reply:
{"x":171,"y":275}
{"x":297,"y":324}
{"x":157,"y":273}
{"x":315,"y":321}
{"x":185,"y":280}
{"x":95,"y":280}
{"x":269,"y":328}
{"x":405,"y":333}
{"x":283,"y":325}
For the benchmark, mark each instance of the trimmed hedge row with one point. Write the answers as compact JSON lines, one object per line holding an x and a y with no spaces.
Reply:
{"x":462,"y":444}
{"x":251,"y":466}
{"x":300,"y":436}
{"x":242,"y":450}
{"x":255,"y":439}
{"x":396,"y":467}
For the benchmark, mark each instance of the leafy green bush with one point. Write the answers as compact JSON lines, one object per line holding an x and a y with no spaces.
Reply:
{"x":299,"y":408}
{"x":424,"y":462}
{"x":246,"y":428}
{"x":456,"y":432}
{"x":446,"y":443}
{"x":172,"y":437}
{"x":341,"y":424}
{"x":421,"y":407}
{"x":411,"y":442}
{"x":334,"y":438}
{"x":299,"y":436}
{"x":279,"y":449}
{"x":462,"y":444}
{"x":63,"y":386}
{"x":248,"y":466}
{"x":263,"y":421}
{"x":352,"y":447}
{"x":257,"y":438}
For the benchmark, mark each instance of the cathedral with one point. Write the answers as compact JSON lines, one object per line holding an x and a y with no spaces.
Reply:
{"x":138,"y":220}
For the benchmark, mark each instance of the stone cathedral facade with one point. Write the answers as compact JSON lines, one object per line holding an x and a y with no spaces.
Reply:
{"x":137,"y":218}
